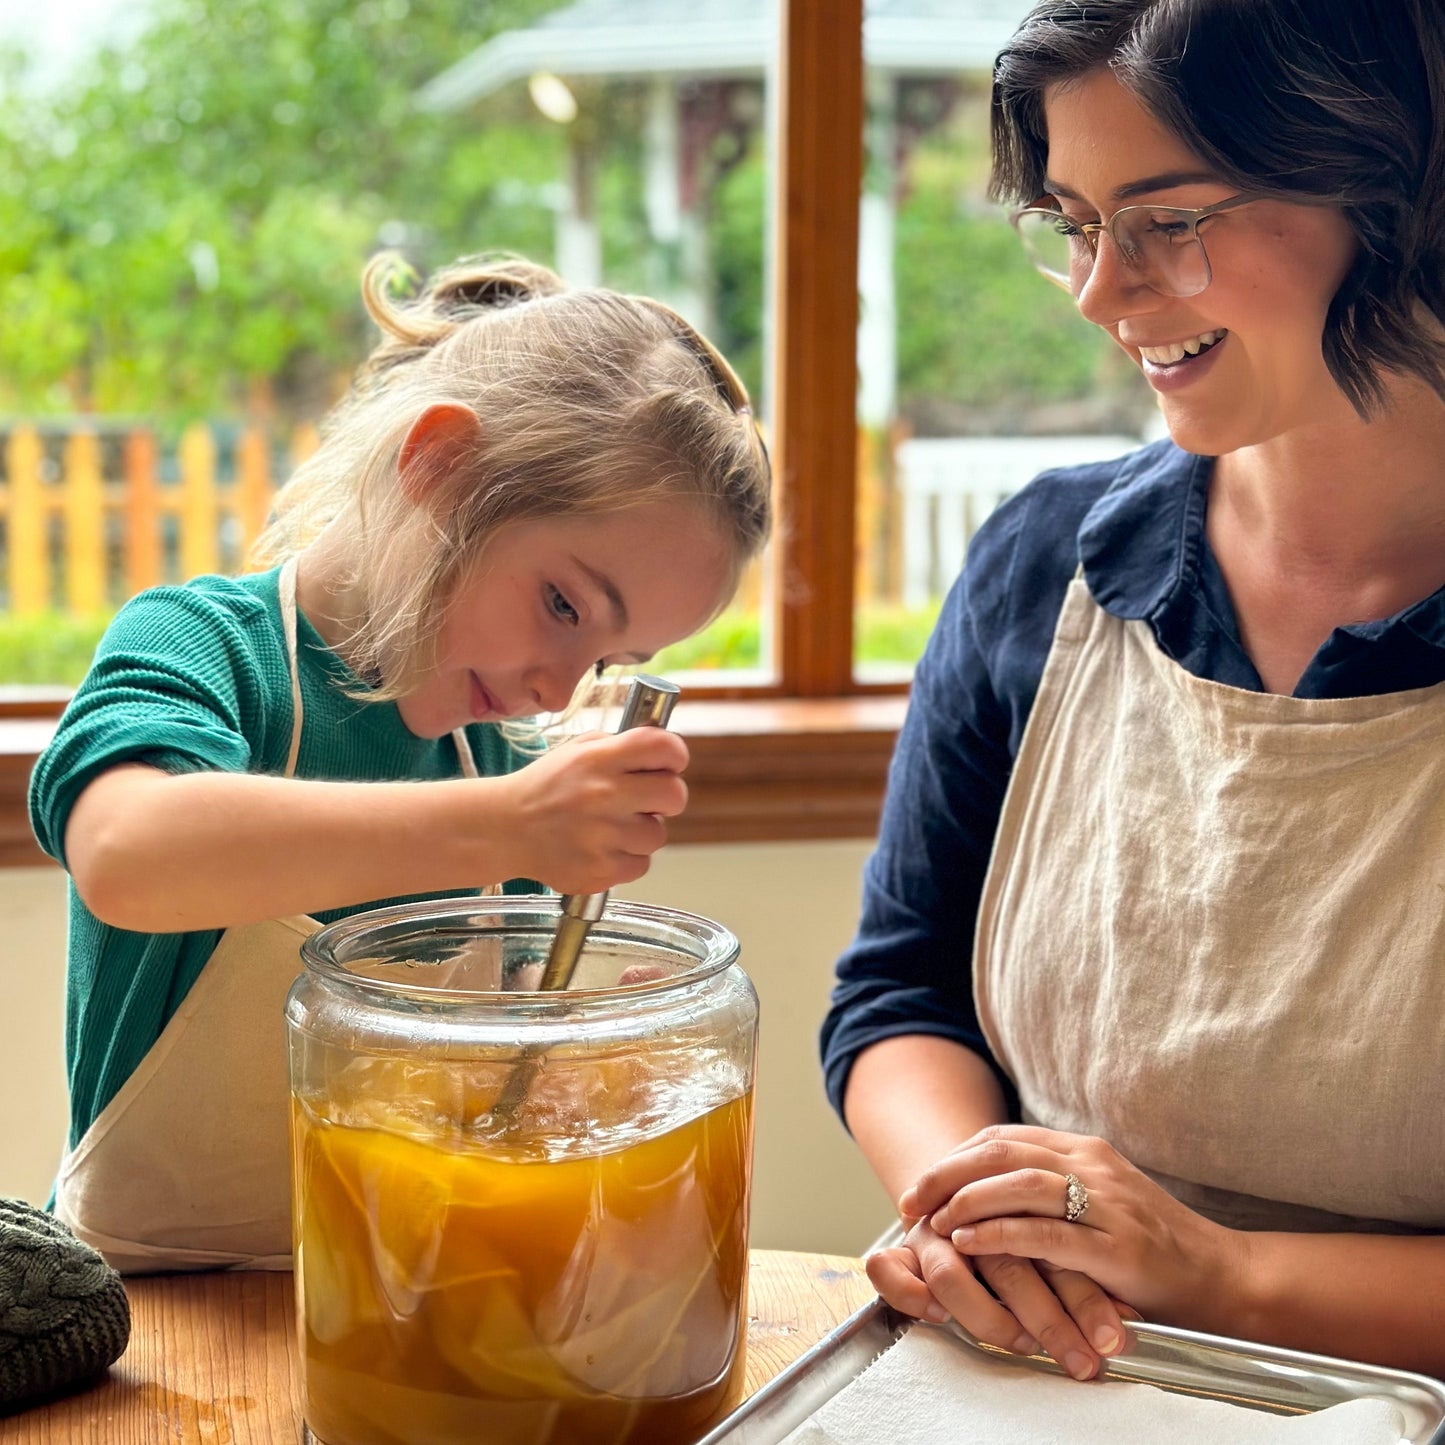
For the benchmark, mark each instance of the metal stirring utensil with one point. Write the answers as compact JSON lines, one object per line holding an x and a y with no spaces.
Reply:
{"x":650,"y":701}
{"x":649,"y":704}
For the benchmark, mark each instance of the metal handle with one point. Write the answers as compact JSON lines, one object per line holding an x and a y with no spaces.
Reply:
{"x":650,"y":701}
{"x":649,"y":704}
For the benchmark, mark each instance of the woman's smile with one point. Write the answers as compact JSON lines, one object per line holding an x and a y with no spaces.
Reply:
{"x":1174,"y":365}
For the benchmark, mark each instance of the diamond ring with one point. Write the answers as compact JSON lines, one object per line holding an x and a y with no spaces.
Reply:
{"x":1076,"y":1199}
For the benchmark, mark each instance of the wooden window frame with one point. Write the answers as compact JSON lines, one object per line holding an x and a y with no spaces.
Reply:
{"x":806,"y":755}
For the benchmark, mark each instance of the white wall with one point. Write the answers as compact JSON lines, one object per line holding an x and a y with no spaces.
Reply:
{"x":33,"y":1116}
{"x":792,"y":905}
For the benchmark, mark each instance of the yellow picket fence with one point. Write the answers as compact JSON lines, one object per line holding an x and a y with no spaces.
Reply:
{"x":88,"y":524}
{"x":132,"y":508}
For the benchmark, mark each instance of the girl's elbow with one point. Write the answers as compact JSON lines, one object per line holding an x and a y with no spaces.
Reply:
{"x":112,"y":880}
{"x":111,"y":893}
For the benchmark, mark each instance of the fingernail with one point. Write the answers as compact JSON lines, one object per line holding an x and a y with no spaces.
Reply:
{"x":1106,"y":1340}
{"x":964,"y":1235}
{"x":1078,"y":1364}
{"x":937,"y":1314}
{"x":1026,"y":1345}
{"x":940,"y":1221}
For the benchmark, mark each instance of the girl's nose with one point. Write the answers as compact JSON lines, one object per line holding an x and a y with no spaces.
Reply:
{"x":550,"y":689}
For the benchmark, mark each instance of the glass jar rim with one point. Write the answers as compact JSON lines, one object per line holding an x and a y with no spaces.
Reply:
{"x":328,"y":952}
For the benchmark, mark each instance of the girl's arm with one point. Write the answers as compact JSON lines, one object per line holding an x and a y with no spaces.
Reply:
{"x":154,"y":852}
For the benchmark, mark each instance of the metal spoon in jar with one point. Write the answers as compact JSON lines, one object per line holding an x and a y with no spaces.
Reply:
{"x":649,"y":703}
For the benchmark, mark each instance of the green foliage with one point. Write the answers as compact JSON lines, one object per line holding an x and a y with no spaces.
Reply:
{"x":737,"y":234}
{"x":884,"y":635}
{"x":49,"y":649}
{"x":195,"y":210}
{"x":191,"y":215}
{"x":730,"y":642}
{"x":977,"y":325}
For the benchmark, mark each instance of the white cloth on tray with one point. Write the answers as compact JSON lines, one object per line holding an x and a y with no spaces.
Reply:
{"x":929,"y":1389}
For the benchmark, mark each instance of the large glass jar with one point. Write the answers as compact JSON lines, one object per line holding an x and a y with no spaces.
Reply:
{"x":520,"y":1216}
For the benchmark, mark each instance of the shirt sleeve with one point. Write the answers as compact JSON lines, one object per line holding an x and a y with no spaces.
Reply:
{"x":174,"y":684}
{"x":909,"y":969}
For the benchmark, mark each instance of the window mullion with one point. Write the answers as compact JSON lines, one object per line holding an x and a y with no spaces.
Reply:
{"x":819,"y":159}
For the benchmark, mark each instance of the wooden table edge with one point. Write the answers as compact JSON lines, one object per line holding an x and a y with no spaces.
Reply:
{"x":212,"y":1358}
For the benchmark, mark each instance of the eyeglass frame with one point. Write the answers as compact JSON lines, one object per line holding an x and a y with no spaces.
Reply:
{"x":1091,"y":230}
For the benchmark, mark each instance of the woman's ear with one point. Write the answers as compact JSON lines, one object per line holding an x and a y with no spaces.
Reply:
{"x":439,"y":440}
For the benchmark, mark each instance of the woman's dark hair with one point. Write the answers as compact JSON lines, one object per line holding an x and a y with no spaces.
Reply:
{"x":1337,"y":101}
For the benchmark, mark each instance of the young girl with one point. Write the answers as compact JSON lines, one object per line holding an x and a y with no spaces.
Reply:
{"x":1176,"y":741}
{"x":526,"y":484}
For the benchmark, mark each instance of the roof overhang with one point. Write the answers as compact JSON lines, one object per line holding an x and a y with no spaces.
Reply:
{"x":723,"y":49}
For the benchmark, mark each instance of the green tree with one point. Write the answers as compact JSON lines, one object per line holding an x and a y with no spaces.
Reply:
{"x":192,"y":213}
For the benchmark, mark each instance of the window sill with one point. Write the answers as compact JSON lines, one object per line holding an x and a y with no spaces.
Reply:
{"x":762,"y":771}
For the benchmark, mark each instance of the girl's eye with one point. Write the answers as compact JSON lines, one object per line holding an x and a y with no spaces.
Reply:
{"x":1065,"y":227}
{"x":560,"y":607}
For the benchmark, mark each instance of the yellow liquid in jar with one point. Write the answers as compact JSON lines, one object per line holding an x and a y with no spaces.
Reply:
{"x":451,"y":1296}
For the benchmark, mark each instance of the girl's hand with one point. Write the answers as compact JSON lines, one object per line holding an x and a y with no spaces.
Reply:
{"x":1005,"y":1191}
{"x":589,"y":814}
{"x":1031,"y":1307}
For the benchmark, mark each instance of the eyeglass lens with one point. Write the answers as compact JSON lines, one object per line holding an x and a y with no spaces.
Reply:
{"x":1158,"y":244}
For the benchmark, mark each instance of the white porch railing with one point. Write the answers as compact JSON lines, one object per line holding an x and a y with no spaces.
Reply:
{"x":950,"y":484}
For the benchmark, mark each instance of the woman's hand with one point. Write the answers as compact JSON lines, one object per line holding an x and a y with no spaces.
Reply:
{"x":1031,"y":1307}
{"x":1005,"y":1191}
{"x":589,"y":814}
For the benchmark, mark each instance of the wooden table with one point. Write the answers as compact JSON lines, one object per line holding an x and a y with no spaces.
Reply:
{"x":212,"y":1357}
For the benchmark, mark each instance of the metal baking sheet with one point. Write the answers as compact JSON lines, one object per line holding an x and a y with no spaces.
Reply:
{"x":1256,"y":1377}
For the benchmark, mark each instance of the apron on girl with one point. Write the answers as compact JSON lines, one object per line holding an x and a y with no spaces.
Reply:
{"x":189,"y":1165}
{"x":1213,"y":933}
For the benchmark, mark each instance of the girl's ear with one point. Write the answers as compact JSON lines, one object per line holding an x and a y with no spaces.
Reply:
{"x":439,"y":440}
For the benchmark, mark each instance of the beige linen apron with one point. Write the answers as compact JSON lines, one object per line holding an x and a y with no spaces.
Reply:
{"x":189,"y":1165}
{"x":1213,"y":933}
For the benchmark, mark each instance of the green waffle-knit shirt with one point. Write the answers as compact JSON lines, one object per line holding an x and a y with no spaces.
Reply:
{"x":188,"y":679}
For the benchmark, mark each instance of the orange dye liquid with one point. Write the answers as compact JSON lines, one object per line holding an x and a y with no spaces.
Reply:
{"x":451,"y":1296}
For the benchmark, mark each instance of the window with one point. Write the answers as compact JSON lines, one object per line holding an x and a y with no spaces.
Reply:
{"x":276,"y":137}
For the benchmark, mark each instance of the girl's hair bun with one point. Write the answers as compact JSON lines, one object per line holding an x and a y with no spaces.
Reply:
{"x":481,"y":282}
{"x":415,"y":315}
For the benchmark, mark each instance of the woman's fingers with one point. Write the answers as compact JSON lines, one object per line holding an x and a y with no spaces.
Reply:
{"x":1042,"y":1192}
{"x":1065,"y":1246}
{"x":985,"y":1155}
{"x":953,"y":1284}
{"x":894,"y":1274}
{"x":1089,"y":1306}
{"x":1018,"y":1284}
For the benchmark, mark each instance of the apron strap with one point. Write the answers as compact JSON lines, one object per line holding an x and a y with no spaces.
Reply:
{"x":286,"y":587}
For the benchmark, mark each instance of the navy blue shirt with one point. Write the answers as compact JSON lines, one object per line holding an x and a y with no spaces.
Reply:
{"x":1136,"y":525}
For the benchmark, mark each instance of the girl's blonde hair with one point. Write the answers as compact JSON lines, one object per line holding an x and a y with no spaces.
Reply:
{"x":589,"y":401}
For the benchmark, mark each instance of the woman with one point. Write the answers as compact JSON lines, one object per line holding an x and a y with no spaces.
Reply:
{"x":1173,"y":759}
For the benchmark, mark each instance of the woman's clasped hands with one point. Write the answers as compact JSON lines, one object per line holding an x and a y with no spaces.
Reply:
{"x":991,"y":1244}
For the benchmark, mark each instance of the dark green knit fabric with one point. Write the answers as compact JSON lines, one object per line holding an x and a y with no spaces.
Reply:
{"x":64,"y":1316}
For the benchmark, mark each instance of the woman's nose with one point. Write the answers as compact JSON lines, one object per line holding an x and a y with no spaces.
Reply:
{"x":1113,"y":289}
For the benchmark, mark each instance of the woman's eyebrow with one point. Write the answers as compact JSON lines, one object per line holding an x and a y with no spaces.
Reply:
{"x":608,"y":588}
{"x":1165,"y":181}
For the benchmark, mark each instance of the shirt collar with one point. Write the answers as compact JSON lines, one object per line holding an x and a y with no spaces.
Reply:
{"x":1142,"y":545}
{"x":1139,"y":543}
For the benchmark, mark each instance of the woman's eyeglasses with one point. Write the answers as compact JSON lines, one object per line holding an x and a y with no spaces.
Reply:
{"x":1160,"y":244}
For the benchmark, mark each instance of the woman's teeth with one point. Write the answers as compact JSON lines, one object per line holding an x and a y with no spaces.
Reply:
{"x":1178,"y":350}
